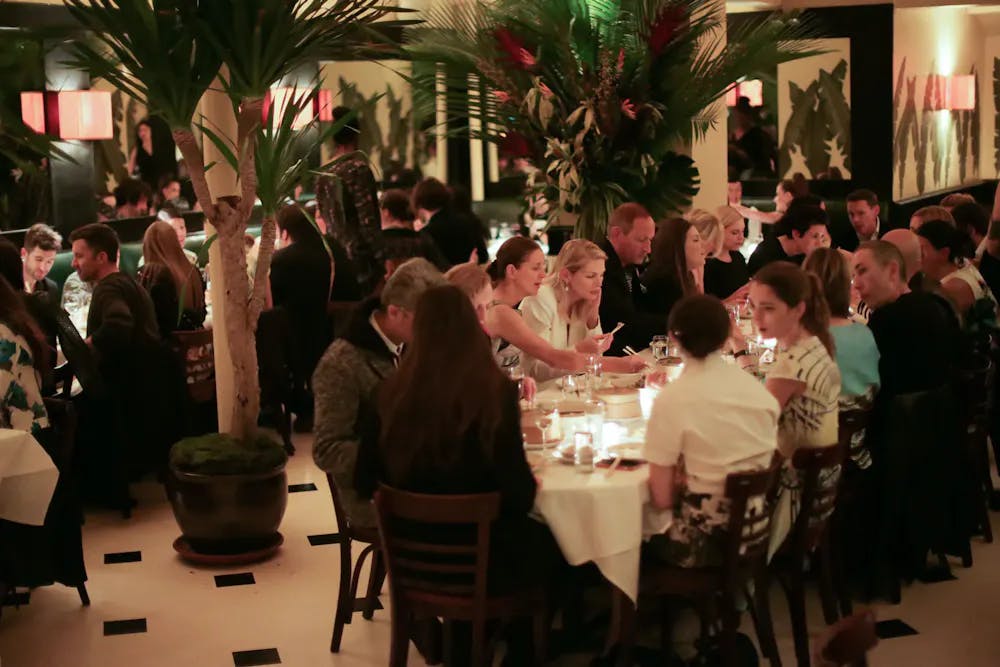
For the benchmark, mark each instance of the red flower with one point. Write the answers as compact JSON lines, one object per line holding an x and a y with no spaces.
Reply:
{"x":628,"y":108}
{"x":665,"y":27}
{"x":514,"y":49}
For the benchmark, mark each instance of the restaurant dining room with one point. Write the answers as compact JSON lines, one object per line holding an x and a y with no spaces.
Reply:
{"x":611,"y":333}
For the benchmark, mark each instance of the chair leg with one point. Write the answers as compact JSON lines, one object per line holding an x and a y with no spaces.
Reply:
{"x":985,"y":487}
{"x":345,"y":601}
{"x":375,"y":578}
{"x":84,"y":596}
{"x":730,"y":617}
{"x":763,"y":623}
{"x":826,"y":586}
{"x":795,"y":592}
{"x":399,"y":646}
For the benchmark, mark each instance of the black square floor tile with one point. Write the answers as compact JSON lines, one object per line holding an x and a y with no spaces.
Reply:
{"x":325,"y":538}
{"x":241,"y":579}
{"x":296,"y":488}
{"x":893,"y":628}
{"x":123,"y":557}
{"x":260,"y":656}
{"x":127,"y":627}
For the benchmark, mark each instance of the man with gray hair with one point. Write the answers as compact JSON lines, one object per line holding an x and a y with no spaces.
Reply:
{"x":351,"y":369}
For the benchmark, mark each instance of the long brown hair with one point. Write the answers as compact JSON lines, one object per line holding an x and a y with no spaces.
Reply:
{"x":794,"y":286}
{"x":669,"y":255}
{"x":14,"y":314}
{"x":831,"y":268}
{"x":161,"y":247}
{"x":446,"y":384}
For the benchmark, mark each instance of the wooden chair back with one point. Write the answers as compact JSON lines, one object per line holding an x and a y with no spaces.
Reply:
{"x":440,"y":579}
{"x":749,"y":517}
{"x":197,"y":351}
{"x":816,"y":501}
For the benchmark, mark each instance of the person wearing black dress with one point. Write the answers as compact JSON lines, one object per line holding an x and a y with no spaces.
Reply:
{"x":455,"y":235}
{"x":676,"y":267}
{"x":726,"y":273}
{"x":799,"y":231}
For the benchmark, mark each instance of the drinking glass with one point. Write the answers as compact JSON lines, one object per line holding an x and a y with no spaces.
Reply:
{"x":547,"y":421}
{"x":594,"y":366}
{"x":516,"y":373}
{"x":659,"y":346}
{"x":593,"y":411}
{"x":584,"y":452}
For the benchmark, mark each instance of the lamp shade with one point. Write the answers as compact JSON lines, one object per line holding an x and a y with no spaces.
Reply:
{"x":962,"y":92}
{"x":69,"y":114}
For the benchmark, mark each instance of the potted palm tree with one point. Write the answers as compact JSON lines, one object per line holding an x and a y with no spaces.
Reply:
{"x":229,"y":489}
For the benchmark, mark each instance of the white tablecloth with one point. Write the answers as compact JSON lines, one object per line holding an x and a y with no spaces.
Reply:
{"x":27,"y":478}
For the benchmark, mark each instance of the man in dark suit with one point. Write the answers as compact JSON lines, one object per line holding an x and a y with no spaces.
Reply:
{"x":863,"y":211}
{"x":301,"y":277}
{"x":41,"y":243}
{"x":630,"y":237}
{"x":455,"y":236}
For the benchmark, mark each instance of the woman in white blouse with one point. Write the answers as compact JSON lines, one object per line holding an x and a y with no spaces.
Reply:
{"x":564,"y":312}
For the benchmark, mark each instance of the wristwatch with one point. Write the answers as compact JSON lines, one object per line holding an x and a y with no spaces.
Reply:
{"x":740,"y":353}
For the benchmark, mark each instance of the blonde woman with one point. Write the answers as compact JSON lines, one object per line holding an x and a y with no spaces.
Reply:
{"x":174,"y":285}
{"x":726,"y":273}
{"x":710,"y":230}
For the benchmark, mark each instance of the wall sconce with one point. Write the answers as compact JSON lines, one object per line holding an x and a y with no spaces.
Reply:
{"x":961,"y":92}
{"x":753,"y":89}
{"x":322,"y":106}
{"x":69,"y":114}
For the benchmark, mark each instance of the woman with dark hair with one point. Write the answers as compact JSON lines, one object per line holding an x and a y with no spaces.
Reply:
{"x":676,"y":267}
{"x":154,"y":154}
{"x":690,"y":443}
{"x":946,"y":256}
{"x":174,"y":284}
{"x":788,"y":305}
{"x":517,"y":273}
{"x":24,"y":357}
{"x":448,"y":422}
{"x":856,"y":353}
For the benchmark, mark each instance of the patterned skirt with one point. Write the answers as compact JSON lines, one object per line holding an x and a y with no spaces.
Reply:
{"x":697,"y":536}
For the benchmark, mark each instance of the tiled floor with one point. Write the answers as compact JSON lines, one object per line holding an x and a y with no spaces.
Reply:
{"x":150,"y":609}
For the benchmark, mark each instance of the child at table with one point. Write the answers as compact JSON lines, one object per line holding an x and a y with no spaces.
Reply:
{"x":715,"y":419}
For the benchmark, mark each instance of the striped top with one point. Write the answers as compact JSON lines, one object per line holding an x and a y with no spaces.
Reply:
{"x":809,"y":419}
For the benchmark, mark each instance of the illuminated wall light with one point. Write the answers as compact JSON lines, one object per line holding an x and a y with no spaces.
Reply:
{"x":69,"y":114}
{"x":962,"y":92}
{"x":752,"y":89}
{"x":322,"y":106}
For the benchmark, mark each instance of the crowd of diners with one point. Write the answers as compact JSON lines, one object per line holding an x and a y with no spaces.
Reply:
{"x":416,"y":391}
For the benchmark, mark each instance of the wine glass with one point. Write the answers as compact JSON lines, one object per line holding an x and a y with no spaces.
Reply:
{"x":516,"y":374}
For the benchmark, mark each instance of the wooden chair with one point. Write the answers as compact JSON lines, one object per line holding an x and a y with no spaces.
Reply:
{"x":745,"y":555}
{"x":975,"y":387}
{"x":833,"y":552}
{"x":347,"y":602}
{"x":816,"y":506}
{"x":413,"y":564}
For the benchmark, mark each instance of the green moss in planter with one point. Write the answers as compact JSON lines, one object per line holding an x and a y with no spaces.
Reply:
{"x":222,"y":454}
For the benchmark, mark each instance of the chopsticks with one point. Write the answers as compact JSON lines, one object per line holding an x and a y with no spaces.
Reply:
{"x":611,"y":468}
{"x":629,"y":351}
{"x":616,"y":329}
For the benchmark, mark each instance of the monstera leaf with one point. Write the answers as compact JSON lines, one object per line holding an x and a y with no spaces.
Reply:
{"x":836,"y":111}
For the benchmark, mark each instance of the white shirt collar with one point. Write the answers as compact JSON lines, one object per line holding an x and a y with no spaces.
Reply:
{"x":394,"y":350}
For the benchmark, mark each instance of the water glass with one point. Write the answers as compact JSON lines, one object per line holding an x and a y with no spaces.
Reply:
{"x":516,"y":374}
{"x":593,"y":411}
{"x":570,"y":386}
{"x":584,"y":453}
{"x":660,"y":347}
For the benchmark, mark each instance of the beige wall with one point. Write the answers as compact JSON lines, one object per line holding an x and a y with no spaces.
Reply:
{"x":940,"y":40}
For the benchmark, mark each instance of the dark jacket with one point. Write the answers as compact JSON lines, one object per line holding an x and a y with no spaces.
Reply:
{"x":300,"y":283}
{"x":402,"y":244}
{"x":622,"y":300}
{"x":456,"y":237}
{"x":121,"y":324}
{"x":159,"y":282}
{"x":770,"y":250}
{"x":662,"y":291}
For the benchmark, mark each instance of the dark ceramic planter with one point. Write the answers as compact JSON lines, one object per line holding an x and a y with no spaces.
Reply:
{"x":229,"y":514}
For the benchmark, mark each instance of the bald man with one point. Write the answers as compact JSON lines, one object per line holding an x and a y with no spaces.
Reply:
{"x":909,"y":247}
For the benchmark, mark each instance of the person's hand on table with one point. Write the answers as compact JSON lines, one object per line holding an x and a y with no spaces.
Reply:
{"x":630,"y":364}
{"x":528,"y":388}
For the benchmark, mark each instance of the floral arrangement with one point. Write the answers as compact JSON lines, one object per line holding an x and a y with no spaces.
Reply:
{"x":607,"y":93}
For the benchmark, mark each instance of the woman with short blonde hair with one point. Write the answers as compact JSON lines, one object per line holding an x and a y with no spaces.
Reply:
{"x":726,"y":273}
{"x":710,"y":229}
